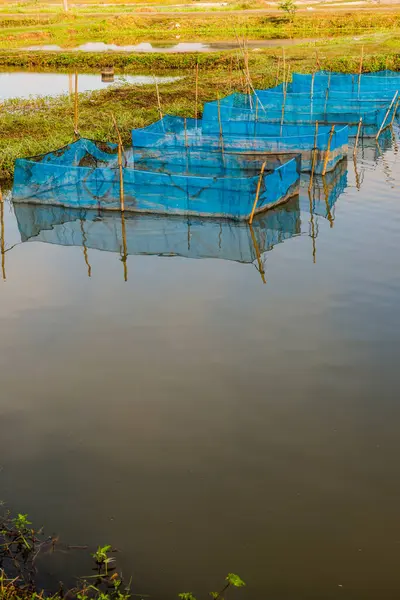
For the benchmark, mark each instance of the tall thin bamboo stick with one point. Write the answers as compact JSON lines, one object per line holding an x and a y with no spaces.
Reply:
{"x":120,"y":166}
{"x":3,"y":251}
{"x":278,"y":70}
{"x":386,"y":115}
{"x":357,"y":137}
{"x":257,"y":192}
{"x":196,"y":114}
{"x":158,"y":99}
{"x":221,"y":133}
{"x":314,"y":156}
{"x":395,"y":111}
{"x":328,"y":149}
{"x":76,"y":107}
{"x":258,"y":255}
{"x":124,"y":254}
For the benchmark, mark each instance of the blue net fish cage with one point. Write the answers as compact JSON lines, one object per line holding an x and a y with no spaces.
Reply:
{"x":247,"y":108}
{"x":345,"y":82}
{"x":320,"y":100}
{"x":135,"y":234}
{"x":325,"y":94}
{"x":86,"y":174}
{"x":174,"y":133}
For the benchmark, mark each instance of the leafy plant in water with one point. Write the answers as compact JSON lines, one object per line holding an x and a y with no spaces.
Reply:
{"x":232,"y":580}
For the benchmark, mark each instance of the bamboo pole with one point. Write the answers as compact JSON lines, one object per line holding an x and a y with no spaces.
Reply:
{"x":326,"y":196}
{"x":327,"y":91}
{"x":221,"y":133}
{"x":85,"y":250}
{"x":258,"y":255}
{"x":120,"y":166}
{"x":360,"y":68}
{"x":257,"y":192}
{"x":328,"y":149}
{"x":158,"y":99}
{"x":387,"y":114}
{"x":313,"y":236}
{"x":3,"y":252}
{"x":124,"y":254}
{"x":314,"y":156}
{"x":395,"y":111}
{"x":196,"y":114}
{"x":65,"y":5}
{"x":357,"y":137}
{"x":76,"y":107}
{"x":278,"y":70}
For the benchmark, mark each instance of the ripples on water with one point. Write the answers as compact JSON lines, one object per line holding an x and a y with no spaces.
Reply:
{"x":197,"y":419}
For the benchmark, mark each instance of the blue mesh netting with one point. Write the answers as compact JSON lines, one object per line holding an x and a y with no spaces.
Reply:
{"x":174,"y":133}
{"x":243,"y":107}
{"x":85,"y":174}
{"x":155,"y":235}
{"x":351,"y":83}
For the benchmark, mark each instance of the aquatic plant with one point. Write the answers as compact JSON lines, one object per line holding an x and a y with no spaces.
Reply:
{"x":20,"y":546}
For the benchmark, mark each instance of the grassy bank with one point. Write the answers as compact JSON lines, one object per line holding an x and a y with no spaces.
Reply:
{"x":71,"y":31}
{"x":33,"y":126}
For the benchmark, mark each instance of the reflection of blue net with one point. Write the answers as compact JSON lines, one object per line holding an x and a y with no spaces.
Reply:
{"x":350,"y":83}
{"x":86,"y":174}
{"x":150,"y":234}
{"x":174,"y":133}
{"x":250,"y":108}
{"x":325,"y":191}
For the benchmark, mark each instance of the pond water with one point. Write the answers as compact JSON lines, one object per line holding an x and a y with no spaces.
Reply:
{"x":169,"y":48}
{"x":198,"y":419}
{"x":23,"y":85}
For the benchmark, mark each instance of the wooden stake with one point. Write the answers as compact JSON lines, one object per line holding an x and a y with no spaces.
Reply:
{"x":360,"y":68}
{"x":395,"y":111}
{"x":124,"y":254}
{"x":3,"y":252}
{"x":196,"y":114}
{"x":328,"y":149}
{"x":257,"y":192}
{"x":120,"y":166}
{"x":278,"y":70}
{"x":387,"y":114}
{"x":313,"y":236}
{"x":314,"y":156}
{"x":158,"y":99}
{"x":65,"y":4}
{"x":326,"y":195}
{"x":357,"y":137}
{"x":221,"y":134}
{"x":258,"y":255}
{"x":85,"y":251}
{"x":76,"y":111}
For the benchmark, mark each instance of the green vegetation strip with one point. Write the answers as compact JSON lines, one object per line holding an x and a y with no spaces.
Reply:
{"x":74,"y":30}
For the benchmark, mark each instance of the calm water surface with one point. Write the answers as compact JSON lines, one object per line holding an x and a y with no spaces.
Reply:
{"x":24,"y":85}
{"x":199,"y":420}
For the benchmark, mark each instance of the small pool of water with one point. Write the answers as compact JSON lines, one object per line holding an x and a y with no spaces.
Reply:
{"x":25,"y":85}
{"x":168,"y":48}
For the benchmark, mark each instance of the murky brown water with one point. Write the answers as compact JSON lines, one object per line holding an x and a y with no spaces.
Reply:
{"x":203,"y":422}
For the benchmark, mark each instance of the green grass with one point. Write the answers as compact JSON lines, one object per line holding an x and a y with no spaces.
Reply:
{"x":73,"y":30}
